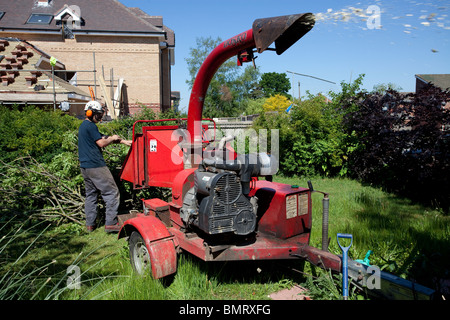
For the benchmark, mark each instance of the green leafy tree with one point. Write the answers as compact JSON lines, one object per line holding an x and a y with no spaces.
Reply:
{"x":231,"y":87}
{"x":219,"y":100}
{"x":312,"y":140}
{"x":383,"y":88}
{"x":275,"y":83}
{"x":276,"y":102}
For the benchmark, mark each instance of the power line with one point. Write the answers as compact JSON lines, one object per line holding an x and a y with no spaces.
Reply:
{"x":307,"y":75}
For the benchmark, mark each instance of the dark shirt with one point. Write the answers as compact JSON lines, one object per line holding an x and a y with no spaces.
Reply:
{"x":89,"y":153}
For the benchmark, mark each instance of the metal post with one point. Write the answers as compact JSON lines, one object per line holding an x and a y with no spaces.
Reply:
{"x":326,"y":205}
{"x":95,"y":76}
{"x":111,"y":83}
{"x":54,"y":92}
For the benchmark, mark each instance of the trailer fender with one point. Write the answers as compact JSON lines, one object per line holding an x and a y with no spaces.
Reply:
{"x":158,"y":241}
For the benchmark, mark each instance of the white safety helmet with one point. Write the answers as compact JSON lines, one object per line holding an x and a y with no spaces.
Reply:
{"x":93,"y":107}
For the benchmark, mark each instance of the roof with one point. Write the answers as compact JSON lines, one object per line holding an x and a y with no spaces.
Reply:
{"x":157,"y":21}
{"x":439,"y":80}
{"x":20,"y":86}
{"x":99,"y":16}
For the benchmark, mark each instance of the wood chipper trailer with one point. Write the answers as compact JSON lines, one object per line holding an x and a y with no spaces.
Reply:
{"x":221,"y":209}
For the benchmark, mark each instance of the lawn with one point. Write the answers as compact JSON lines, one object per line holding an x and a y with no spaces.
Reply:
{"x":406,"y":238}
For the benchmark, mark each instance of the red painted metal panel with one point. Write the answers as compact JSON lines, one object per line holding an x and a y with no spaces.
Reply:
{"x":164,"y":159}
{"x":150,"y":228}
{"x":265,"y":247}
{"x":133,"y":166}
{"x":192,"y":244}
{"x":160,"y":243}
{"x":145,"y":170}
{"x":163,"y":258}
{"x":283,"y":211}
{"x":182,"y":182}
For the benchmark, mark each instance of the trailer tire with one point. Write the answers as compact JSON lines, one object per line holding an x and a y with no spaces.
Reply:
{"x":139,"y":255}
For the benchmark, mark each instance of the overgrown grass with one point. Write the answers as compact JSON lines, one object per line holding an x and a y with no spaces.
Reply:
{"x":406,"y":239}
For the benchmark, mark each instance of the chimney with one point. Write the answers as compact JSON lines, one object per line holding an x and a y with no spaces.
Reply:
{"x":43,"y":3}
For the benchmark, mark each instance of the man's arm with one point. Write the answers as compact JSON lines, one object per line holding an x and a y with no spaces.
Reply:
{"x":107,"y":140}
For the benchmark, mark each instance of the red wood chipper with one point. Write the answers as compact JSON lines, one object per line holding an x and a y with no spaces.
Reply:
{"x":221,"y":208}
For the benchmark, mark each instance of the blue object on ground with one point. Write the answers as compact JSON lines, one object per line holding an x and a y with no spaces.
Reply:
{"x":345,"y":262}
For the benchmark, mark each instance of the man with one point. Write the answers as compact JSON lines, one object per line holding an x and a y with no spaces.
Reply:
{"x":97,"y":177}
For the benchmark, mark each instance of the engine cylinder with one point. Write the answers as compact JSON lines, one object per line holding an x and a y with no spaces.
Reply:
{"x":222,"y":205}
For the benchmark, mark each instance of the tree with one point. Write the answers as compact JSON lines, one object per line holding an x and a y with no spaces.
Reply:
{"x":275,"y":83}
{"x":383,"y":88}
{"x":276,"y":102}
{"x":229,"y":88}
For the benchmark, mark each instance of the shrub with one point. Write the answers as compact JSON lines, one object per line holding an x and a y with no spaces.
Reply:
{"x":311,"y":141}
{"x":276,"y":102}
{"x":33,"y":132}
{"x":402,"y":144}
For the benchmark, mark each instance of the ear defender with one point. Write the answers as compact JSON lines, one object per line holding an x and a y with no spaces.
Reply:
{"x":89,"y":113}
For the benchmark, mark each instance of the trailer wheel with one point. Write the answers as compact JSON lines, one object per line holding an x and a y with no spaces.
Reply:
{"x":139,"y":255}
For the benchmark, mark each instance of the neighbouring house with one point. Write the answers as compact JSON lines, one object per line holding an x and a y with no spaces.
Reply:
{"x":441,"y":81}
{"x":130,"y":51}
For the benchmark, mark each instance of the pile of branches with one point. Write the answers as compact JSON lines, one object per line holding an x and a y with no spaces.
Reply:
{"x":29,"y":189}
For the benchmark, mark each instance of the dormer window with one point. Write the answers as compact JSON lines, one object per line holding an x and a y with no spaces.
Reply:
{"x":40,"y":18}
{"x":69,"y":14}
{"x":2,"y":13}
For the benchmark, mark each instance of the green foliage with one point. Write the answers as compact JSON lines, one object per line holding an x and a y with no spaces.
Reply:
{"x":33,"y":131}
{"x":401,"y":143}
{"x":275,"y":83}
{"x":311,"y":142}
{"x":231,"y":86}
{"x":254,"y":106}
{"x":276,"y":102}
{"x":383,"y":88}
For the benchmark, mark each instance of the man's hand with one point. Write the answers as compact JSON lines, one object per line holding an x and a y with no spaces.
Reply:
{"x":126,"y":142}
{"x":116,"y":138}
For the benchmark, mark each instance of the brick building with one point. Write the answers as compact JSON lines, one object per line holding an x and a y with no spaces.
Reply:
{"x":103,"y":35}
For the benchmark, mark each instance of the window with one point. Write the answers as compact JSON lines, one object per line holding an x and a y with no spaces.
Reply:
{"x":40,"y":18}
{"x":2,"y":13}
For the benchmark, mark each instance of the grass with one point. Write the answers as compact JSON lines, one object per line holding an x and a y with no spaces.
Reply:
{"x":406,"y":239}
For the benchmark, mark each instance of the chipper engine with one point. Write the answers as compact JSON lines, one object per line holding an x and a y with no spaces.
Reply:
{"x":224,"y":205}
{"x":220,"y":202}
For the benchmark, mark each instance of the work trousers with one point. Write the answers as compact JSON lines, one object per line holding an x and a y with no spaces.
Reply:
{"x":100,"y":180}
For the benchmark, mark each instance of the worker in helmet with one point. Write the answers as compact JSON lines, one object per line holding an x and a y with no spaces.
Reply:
{"x":97,"y":177}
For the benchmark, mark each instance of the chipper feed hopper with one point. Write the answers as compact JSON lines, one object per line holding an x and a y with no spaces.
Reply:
{"x":224,"y":205}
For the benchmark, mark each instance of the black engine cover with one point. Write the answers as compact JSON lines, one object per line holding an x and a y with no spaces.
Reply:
{"x":223,"y":207}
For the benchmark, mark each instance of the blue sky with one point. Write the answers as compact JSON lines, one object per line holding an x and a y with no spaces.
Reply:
{"x":413,"y":37}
